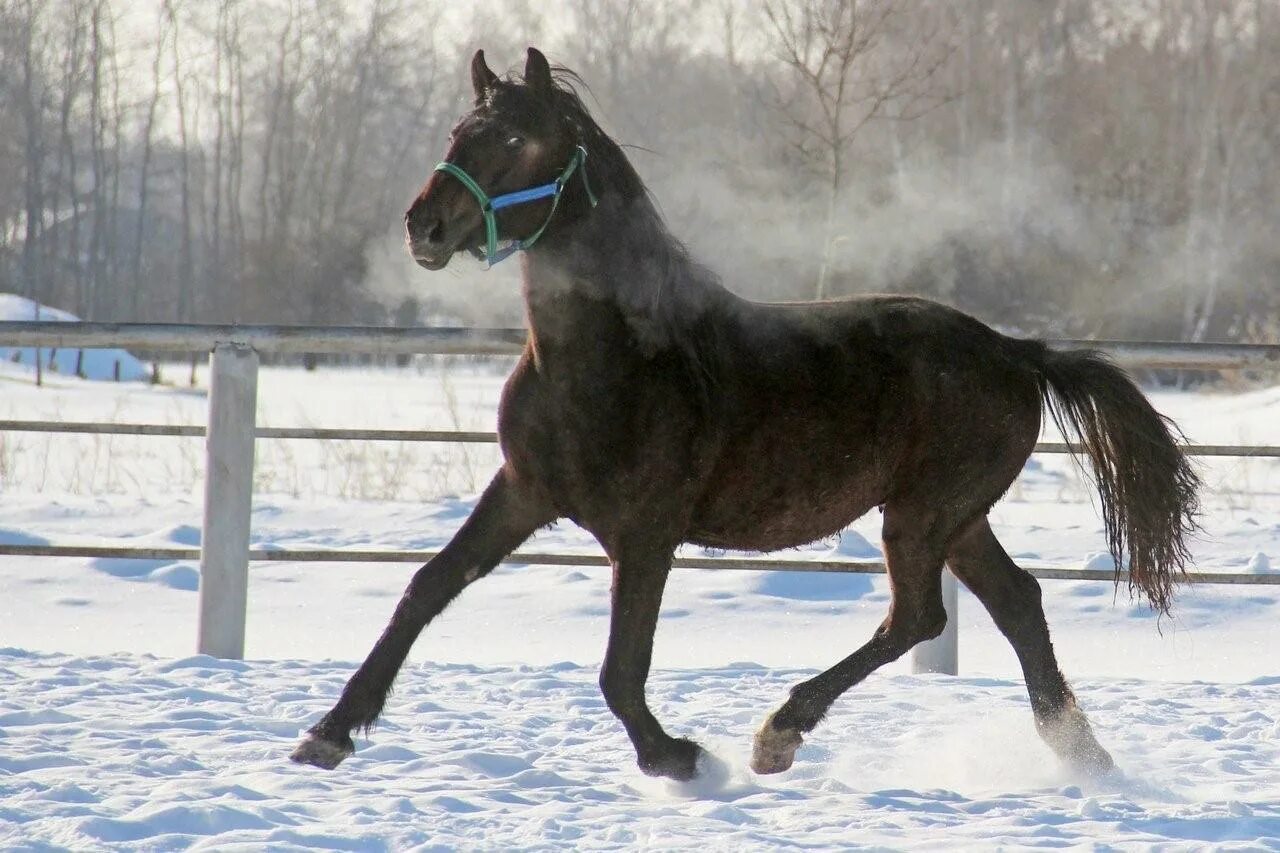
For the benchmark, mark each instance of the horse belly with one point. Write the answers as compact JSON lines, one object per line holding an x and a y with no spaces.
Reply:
{"x":784,"y":495}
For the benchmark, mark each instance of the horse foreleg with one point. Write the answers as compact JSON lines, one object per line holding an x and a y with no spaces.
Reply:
{"x":916,"y":614}
{"x":638,"y":582}
{"x":503,"y":518}
{"x":1012,"y":597}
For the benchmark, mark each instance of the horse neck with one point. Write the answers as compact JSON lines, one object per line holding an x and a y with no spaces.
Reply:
{"x":615,"y":264}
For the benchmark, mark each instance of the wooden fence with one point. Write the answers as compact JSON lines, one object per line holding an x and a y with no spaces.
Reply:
{"x":224,"y":555}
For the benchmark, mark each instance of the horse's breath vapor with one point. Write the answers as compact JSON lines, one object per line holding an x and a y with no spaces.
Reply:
{"x":653,"y":407}
{"x":926,"y":235}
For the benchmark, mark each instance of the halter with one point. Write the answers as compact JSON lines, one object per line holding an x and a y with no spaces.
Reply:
{"x":489,"y":206}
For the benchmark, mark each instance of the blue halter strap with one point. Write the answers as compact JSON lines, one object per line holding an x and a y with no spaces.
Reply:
{"x":490,"y":206}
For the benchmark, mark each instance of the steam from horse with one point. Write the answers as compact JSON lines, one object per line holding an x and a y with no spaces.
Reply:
{"x":654,"y":407}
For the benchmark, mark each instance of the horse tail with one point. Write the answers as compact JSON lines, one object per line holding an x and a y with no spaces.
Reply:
{"x":1146,"y":483}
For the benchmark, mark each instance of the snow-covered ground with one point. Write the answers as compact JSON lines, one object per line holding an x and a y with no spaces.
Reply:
{"x":160,"y":754}
{"x":95,"y":364}
{"x":497,"y":737}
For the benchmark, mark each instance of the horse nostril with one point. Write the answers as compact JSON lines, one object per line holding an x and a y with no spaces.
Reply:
{"x":436,"y":233}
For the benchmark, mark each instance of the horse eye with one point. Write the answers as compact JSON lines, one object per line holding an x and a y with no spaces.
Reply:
{"x":515,"y":142}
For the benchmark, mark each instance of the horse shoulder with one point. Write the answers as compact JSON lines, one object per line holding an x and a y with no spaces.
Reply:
{"x":521,"y":412}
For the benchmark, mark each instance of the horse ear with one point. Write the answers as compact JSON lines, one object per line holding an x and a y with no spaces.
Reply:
{"x":537,"y":72}
{"x":482,"y":79}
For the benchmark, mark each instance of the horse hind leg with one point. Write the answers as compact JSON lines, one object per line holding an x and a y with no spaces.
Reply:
{"x":1012,"y":597}
{"x":916,"y":614}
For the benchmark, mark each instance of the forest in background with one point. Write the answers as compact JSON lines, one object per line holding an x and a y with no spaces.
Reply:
{"x":1083,"y":168}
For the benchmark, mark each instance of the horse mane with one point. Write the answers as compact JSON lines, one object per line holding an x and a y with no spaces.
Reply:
{"x":672,"y":297}
{"x":606,"y":154}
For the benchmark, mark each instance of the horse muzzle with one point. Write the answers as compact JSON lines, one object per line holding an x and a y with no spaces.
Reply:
{"x":429,"y":257}
{"x":433,"y":242}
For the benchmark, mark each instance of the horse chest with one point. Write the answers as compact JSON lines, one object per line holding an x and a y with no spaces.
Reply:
{"x":595,"y":443}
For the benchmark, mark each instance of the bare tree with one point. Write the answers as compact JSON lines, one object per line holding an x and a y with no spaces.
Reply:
{"x":848,"y":63}
{"x":135,"y":284}
{"x":1104,"y":168}
{"x":233,"y":49}
{"x":36,"y":99}
{"x":1228,"y":87}
{"x":66,"y":177}
{"x":102,"y":153}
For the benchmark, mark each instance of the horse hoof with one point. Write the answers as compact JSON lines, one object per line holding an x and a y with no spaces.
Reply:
{"x":1092,"y":760}
{"x":774,"y":749}
{"x":1071,"y":737}
{"x":319,"y":752}
{"x":679,"y":762}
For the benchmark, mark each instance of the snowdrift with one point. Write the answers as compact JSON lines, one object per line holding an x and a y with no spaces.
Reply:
{"x":96,"y":364}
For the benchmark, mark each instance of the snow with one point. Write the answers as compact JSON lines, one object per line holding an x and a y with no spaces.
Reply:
{"x":1099,"y":561}
{"x":113,"y":736}
{"x":136,"y":752}
{"x":95,"y":364}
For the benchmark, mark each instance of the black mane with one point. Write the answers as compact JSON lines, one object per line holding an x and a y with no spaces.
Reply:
{"x":665,"y":292}
{"x":606,"y":157}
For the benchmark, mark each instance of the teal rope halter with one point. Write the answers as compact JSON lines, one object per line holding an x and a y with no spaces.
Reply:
{"x":490,"y":206}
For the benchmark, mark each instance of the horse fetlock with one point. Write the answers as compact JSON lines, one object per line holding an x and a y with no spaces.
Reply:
{"x":775,"y":748}
{"x":326,"y":751}
{"x":677,"y":760}
{"x":1068,"y":733}
{"x":932,"y":624}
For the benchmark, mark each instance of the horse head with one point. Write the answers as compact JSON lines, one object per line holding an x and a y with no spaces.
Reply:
{"x":507,"y":164}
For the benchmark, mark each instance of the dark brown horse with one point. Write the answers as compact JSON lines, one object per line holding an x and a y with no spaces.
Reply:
{"x":653,"y":407}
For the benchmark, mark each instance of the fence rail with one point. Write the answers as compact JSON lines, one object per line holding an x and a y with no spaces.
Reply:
{"x":1262,"y":451}
{"x":542,"y":558}
{"x":232,"y":430}
{"x":194,"y":337}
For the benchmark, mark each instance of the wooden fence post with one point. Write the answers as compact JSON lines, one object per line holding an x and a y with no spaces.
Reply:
{"x":228,"y":500}
{"x":941,"y":654}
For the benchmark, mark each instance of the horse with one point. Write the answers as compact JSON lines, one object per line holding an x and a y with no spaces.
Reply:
{"x":653,"y":407}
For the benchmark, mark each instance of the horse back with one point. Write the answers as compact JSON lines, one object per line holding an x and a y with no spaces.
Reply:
{"x":759,"y":426}
{"x":832,"y":408}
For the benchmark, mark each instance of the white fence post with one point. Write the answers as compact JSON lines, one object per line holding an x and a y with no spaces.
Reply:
{"x":228,"y":500}
{"x":941,"y":654}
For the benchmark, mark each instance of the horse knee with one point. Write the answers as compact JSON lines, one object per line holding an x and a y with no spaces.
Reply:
{"x":1018,"y":608}
{"x":439,"y":584}
{"x":1024,"y":588}
{"x":910,"y":626}
{"x":928,"y":622}
{"x":620,"y":695}
{"x":931,"y":624}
